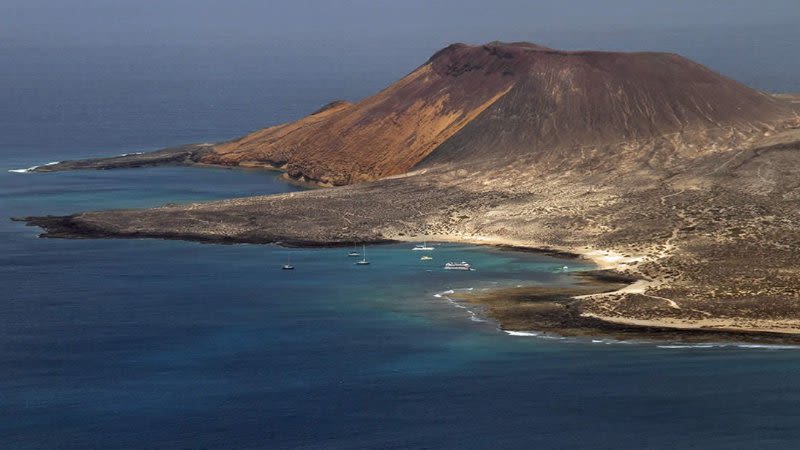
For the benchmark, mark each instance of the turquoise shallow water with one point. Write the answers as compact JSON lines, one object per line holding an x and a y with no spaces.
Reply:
{"x":149,"y":343}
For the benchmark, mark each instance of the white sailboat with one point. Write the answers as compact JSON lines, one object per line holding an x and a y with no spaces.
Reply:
{"x":354,"y":252}
{"x":363,"y":261}
{"x":288,"y":265}
{"x":423,"y":247}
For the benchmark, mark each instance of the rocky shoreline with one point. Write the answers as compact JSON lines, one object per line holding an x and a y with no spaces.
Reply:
{"x":555,"y":311}
{"x":183,"y":155}
{"x":541,"y":310}
{"x":66,"y":227}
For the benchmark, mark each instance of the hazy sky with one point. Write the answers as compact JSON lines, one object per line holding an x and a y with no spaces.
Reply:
{"x":210,"y":22}
{"x":213,"y":69}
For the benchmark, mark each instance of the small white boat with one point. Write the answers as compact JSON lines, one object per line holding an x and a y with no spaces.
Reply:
{"x":363,"y":261}
{"x":425,"y":258}
{"x":288,"y":265}
{"x":423,"y":247}
{"x":354,"y":252}
{"x":463,"y":265}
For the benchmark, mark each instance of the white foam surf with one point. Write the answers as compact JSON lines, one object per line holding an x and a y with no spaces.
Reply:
{"x":731,"y":345}
{"x":31,"y":169}
{"x":473,"y":316}
{"x":769,"y":346}
{"x":688,"y":346}
{"x":521,"y":333}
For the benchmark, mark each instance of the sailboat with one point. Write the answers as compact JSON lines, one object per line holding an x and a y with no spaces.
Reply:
{"x":422,"y":247}
{"x":363,"y":261}
{"x":354,"y":252}
{"x":288,"y":265}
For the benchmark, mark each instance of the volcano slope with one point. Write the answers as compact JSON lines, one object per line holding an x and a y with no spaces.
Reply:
{"x":646,"y":163}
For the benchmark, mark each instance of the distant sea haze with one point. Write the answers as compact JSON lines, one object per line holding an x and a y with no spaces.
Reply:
{"x":101,"y":100}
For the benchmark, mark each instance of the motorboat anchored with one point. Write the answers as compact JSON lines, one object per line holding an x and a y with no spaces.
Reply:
{"x":463,"y":265}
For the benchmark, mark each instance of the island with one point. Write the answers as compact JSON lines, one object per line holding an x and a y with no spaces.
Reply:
{"x":683,"y":183}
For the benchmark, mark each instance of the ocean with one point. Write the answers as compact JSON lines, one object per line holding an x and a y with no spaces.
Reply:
{"x":152,"y":343}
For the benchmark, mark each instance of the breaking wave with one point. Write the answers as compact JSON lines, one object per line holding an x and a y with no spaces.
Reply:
{"x":31,"y":169}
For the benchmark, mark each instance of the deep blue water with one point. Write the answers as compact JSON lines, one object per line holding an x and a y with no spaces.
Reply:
{"x":149,"y":343}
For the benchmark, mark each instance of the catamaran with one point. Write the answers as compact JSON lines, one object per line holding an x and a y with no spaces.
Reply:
{"x":463,"y":265}
{"x":423,"y":247}
{"x":363,"y":261}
